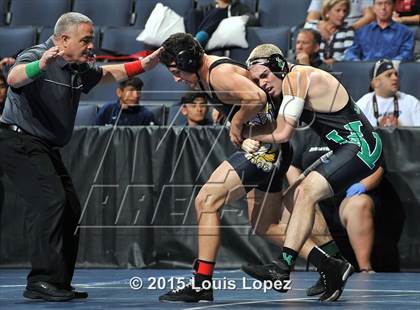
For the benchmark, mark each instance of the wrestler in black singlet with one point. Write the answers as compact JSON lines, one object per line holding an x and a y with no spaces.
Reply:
{"x":357,"y":148}
{"x":265,"y":168}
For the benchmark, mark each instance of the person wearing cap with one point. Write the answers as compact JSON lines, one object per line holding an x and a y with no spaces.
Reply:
{"x":320,"y":101}
{"x":257,"y":176}
{"x":194,"y":108}
{"x":386,"y":106}
{"x":382,"y":38}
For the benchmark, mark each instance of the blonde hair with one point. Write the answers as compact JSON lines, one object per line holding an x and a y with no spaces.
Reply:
{"x":328,"y":4}
{"x":263,"y":51}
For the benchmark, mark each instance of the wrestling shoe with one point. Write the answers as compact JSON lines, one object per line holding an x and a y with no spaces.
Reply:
{"x":317,"y":288}
{"x":334,"y":274}
{"x":188,"y":294}
{"x":276,"y":271}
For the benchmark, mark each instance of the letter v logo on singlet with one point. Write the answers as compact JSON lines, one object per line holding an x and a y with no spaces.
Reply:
{"x":356,"y":137}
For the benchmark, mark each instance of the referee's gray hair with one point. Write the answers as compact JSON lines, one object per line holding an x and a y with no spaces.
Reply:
{"x":68,"y":20}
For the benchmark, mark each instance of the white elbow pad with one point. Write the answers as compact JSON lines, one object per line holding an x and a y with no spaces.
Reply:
{"x":292,"y":107}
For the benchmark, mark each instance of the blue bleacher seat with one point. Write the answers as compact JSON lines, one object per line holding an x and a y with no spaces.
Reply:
{"x":355,"y":76}
{"x":159,"y":112}
{"x":258,"y":35}
{"x":160,"y":85}
{"x":290,"y":13}
{"x":201,"y":3}
{"x":3,"y":12}
{"x":143,"y":8}
{"x":46,"y":32}
{"x":111,"y":13}
{"x":409,"y":78}
{"x":86,"y":115}
{"x":122,"y":40}
{"x":101,"y":93}
{"x":251,"y":3}
{"x":37,"y":13}
{"x":16,"y":39}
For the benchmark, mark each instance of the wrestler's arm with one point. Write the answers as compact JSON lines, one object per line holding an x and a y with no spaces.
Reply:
{"x":121,"y":72}
{"x":295,"y":88}
{"x":235,"y":88}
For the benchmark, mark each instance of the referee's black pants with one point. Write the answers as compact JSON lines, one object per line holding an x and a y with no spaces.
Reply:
{"x":52,"y":208}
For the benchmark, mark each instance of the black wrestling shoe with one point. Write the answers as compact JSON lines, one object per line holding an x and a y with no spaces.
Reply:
{"x":188,"y":294}
{"x":274,"y":272}
{"x":334,"y":274}
{"x":317,"y":288}
{"x":47,"y":291}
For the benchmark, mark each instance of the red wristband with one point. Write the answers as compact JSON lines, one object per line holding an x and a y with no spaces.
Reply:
{"x":133,"y":68}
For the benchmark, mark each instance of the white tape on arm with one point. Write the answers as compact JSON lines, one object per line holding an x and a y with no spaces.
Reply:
{"x":292,"y":107}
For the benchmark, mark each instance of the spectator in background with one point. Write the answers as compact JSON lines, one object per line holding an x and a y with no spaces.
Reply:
{"x":407,"y":12}
{"x":307,"y":48}
{"x":382,"y":38}
{"x":3,"y":92}
{"x":218,"y":118}
{"x":205,"y":21}
{"x":385,"y":105}
{"x":360,"y":13}
{"x":194,"y":108}
{"x":336,"y":35}
{"x":5,"y":64}
{"x":126,"y":111}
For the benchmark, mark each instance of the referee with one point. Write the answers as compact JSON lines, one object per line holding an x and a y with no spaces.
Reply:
{"x":45,"y":86}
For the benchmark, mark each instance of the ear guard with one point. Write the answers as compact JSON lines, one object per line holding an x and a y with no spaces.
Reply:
{"x":275,"y":62}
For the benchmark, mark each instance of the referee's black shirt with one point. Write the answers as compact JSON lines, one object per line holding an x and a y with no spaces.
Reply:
{"x":47,"y":107}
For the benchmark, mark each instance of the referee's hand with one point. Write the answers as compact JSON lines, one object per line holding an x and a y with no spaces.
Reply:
{"x":49,"y":56}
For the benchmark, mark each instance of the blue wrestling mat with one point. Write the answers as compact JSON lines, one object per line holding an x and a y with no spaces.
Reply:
{"x":110,"y":289}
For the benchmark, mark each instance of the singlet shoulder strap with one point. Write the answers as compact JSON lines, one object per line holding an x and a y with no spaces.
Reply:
{"x":217,"y":63}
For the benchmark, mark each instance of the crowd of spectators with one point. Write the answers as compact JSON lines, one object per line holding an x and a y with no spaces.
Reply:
{"x":334,"y":31}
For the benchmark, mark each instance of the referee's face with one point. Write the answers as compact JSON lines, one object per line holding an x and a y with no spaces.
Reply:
{"x":77,"y":43}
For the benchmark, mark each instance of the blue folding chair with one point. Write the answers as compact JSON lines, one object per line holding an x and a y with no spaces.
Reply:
{"x":37,"y":13}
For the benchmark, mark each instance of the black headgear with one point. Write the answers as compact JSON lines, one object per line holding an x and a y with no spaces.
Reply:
{"x":190,"y":60}
{"x":275,"y":62}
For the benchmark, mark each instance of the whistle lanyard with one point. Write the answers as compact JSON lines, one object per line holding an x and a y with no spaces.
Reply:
{"x":376,"y":110}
